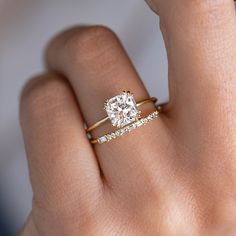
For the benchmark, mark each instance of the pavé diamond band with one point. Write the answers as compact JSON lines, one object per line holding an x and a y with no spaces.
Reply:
{"x":113,"y":135}
{"x":122,"y":110}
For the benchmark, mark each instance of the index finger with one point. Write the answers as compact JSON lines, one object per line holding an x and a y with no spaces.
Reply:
{"x":200,"y":39}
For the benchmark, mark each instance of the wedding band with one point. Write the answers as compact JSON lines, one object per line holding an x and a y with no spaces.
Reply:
{"x":118,"y":133}
{"x":122,"y":110}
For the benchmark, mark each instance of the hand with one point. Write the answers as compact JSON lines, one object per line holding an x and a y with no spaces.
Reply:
{"x":176,"y":175}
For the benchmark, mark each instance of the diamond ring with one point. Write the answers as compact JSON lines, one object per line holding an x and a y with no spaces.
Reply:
{"x":122,"y":110}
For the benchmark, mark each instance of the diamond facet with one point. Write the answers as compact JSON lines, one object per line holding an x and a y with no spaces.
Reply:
{"x":122,"y":110}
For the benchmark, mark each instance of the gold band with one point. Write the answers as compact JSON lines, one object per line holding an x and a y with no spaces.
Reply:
{"x":118,"y":133}
{"x":103,"y":120}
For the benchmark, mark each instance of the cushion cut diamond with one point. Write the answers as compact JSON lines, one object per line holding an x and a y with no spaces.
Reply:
{"x":122,"y":110}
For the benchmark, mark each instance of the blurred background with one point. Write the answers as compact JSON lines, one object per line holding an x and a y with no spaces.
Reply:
{"x":25,"y":28}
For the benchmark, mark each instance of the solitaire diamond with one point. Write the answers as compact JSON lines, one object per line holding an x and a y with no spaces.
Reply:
{"x":122,"y":110}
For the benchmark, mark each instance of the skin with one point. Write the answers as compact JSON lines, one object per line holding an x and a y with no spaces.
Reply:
{"x":176,"y":175}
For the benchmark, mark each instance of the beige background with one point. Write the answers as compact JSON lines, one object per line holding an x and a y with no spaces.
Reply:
{"x":25,"y":28}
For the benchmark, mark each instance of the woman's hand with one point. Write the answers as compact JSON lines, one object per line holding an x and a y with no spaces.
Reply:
{"x":176,"y":175}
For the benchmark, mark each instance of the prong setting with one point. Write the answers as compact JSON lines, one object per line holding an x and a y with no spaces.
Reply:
{"x":122,"y":109}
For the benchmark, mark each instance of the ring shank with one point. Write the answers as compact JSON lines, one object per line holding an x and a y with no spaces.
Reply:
{"x":103,"y":120}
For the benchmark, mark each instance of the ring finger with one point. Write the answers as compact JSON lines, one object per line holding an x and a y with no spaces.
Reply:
{"x":98,"y":68}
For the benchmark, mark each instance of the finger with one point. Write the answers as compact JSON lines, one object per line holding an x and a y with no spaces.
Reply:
{"x":63,"y":168}
{"x":153,"y":6}
{"x":200,"y":39}
{"x":98,"y":68}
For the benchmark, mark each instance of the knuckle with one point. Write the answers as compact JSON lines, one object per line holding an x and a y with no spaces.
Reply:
{"x":43,"y":94}
{"x":90,"y":43}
